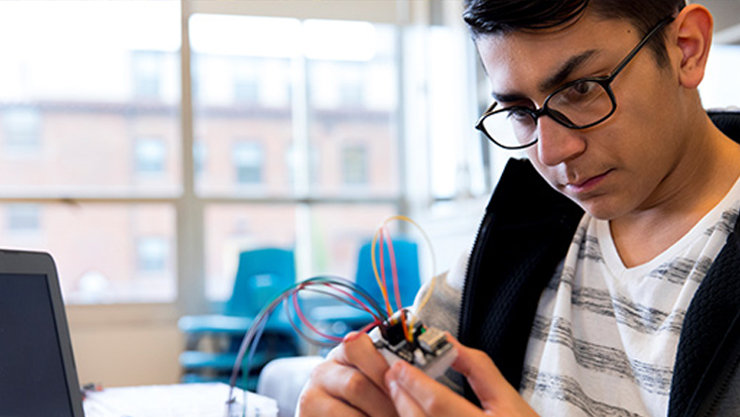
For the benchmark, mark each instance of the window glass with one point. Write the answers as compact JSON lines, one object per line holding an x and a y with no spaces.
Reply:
{"x":21,"y":129}
{"x":339,"y":82}
{"x":243,"y":71}
{"x":23,"y":218}
{"x":352,"y":91}
{"x":354,"y":165}
{"x":152,"y":254}
{"x":113,"y":252}
{"x":337,"y":233}
{"x":232,"y":228}
{"x":147,"y":71}
{"x":78,"y":86}
{"x":151,"y":156}
{"x":248,"y":159}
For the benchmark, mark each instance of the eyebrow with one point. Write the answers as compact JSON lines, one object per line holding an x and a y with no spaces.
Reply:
{"x":555,"y":80}
{"x":565,"y":70}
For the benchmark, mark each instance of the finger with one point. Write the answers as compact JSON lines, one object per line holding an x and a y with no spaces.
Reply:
{"x":483,"y":376}
{"x":314,"y":402}
{"x":493,"y":390}
{"x":405,"y":405}
{"x":432,"y":397}
{"x":358,"y":350}
{"x":357,"y":390}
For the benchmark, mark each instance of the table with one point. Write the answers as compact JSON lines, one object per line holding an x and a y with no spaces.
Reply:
{"x":178,"y":400}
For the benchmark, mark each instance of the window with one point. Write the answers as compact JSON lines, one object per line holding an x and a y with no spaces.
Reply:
{"x":150,"y":156}
{"x":21,"y":129}
{"x":147,"y":68}
{"x":354,"y":165}
{"x":248,"y":159}
{"x":92,"y":114}
{"x":23,"y":218}
{"x":200,"y":157}
{"x":246,"y":83}
{"x":152,"y":254}
{"x":304,"y":99}
{"x":274,"y":100}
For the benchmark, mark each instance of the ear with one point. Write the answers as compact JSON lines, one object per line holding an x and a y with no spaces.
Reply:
{"x":693,"y":37}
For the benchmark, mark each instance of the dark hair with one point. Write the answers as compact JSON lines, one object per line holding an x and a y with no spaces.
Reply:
{"x":489,"y":17}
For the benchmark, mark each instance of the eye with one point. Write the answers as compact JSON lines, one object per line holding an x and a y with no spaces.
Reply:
{"x":582,"y":90}
{"x":519,"y":115}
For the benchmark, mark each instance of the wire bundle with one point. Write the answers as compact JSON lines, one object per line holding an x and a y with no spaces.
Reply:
{"x":340,"y":289}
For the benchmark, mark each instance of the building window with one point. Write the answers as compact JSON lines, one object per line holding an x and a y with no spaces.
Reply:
{"x":147,"y":75}
{"x":150,"y":156}
{"x":23,"y":218}
{"x":22,"y":129}
{"x":354,"y":165}
{"x":248,"y":161}
{"x":350,"y":93}
{"x":199,"y":156}
{"x":152,"y":253}
{"x":246,"y":82}
{"x":246,"y":90}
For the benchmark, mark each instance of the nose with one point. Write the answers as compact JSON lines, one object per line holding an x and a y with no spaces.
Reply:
{"x":556,"y":143}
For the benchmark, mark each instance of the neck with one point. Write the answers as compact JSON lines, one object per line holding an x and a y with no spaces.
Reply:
{"x":709,"y":167}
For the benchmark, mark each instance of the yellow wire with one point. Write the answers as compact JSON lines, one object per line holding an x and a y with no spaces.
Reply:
{"x":383,"y":290}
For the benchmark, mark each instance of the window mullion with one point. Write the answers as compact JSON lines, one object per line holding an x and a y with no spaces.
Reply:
{"x":189,"y":208}
{"x":302,"y":163}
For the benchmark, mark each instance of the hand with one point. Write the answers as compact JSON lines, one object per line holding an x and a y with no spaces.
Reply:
{"x":349,"y":383}
{"x":415,"y":394}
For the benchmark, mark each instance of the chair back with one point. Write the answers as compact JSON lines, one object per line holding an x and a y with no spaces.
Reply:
{"x":407,"y":265}
{"x":728,"y":121}
{"x":262,"y":275}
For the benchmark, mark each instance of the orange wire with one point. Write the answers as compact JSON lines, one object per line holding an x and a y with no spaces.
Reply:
{"x":394,"y":270}
{"x":384,"y":287}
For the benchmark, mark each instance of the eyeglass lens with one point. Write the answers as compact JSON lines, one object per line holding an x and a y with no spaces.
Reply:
{"x":577,"y":105}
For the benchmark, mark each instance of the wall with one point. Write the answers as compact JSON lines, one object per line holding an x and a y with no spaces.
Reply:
{"x":122,"y":345}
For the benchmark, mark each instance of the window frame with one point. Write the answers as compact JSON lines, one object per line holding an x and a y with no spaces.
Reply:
{"x":189,"y":249}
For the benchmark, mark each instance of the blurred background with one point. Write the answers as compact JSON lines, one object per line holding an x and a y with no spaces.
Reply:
{"x":146,"y":144}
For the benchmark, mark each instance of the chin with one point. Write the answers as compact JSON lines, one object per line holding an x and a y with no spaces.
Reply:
{"x":602,"y":210}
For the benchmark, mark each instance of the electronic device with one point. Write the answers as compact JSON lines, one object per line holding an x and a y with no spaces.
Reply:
{"x":427,"y":348}
{"x":37,"y":369}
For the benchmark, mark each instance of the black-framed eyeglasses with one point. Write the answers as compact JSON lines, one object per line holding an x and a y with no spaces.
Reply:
{"x":579,"y":104}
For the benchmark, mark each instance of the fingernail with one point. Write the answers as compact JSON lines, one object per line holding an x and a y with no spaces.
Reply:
{"x":392,"y":387}
{"x":351,"y":336}
{"x":397,"y":367}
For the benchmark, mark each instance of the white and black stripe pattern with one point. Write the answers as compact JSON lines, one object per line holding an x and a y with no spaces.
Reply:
{"x":602,"y":358}
{"x":639,"y":317}
{"x":604,"y":338}
{"x":568,"y":390}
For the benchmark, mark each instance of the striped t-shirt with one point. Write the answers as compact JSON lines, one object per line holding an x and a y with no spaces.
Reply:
{"x":605,"y":336}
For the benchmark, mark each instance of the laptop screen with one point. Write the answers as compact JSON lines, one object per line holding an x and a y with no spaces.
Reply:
{"x":33,"y":381}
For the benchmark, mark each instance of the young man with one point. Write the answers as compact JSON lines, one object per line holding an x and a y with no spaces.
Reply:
{"x":611,"y":287}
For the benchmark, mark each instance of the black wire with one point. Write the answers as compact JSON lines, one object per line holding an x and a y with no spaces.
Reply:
{"x":258,"y":325}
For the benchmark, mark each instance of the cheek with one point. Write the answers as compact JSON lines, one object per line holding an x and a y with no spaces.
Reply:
{"x":546,"y":172}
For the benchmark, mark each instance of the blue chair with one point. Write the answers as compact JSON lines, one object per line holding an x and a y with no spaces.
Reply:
{"x":261,"y":276}
{"x":340,"y":319}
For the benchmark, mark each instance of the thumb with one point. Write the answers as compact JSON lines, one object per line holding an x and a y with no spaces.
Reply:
{"x":493,"y":390}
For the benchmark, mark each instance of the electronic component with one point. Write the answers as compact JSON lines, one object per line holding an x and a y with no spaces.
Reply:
{"x":428,"y":348}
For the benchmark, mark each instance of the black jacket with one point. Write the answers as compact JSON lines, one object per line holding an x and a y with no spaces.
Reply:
{"x":525,"y":234}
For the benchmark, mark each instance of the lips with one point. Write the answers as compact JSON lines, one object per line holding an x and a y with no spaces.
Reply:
{"x":588,"y":184}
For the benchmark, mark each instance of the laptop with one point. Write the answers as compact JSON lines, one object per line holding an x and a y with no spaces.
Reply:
{"x":37,"y":369}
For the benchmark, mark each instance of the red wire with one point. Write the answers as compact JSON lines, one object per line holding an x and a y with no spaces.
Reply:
{"x":382,"y":269}
{"x":394,"y":270}
{"x":369,"y":326}
{"x":355,"y":299}
{"x":308,"y":323}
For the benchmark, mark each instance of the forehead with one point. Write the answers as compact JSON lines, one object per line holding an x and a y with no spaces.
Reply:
{"x":521,"y":61}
